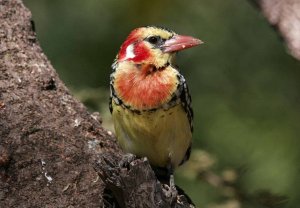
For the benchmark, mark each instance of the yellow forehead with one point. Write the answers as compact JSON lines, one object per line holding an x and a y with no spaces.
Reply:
{"x":155,"y":31}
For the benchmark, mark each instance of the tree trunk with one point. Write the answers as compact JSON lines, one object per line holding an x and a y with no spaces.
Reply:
{"x":53,"y":153}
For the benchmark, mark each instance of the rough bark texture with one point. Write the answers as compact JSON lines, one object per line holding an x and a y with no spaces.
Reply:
{"x":133,"y":184}
{"x":284,"y":15}
{"x":50,"y":145}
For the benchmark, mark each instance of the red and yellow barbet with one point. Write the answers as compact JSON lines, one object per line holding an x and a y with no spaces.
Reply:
{"x":150,"y":102}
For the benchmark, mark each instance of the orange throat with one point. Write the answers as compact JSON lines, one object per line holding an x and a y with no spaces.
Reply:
{"x":145,"y":87}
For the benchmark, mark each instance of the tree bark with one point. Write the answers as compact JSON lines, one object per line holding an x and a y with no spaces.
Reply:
{"x":53,"y":153}
{"x":284,"y":15}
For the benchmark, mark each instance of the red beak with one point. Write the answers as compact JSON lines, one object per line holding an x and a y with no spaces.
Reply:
{"x":180,"y":42}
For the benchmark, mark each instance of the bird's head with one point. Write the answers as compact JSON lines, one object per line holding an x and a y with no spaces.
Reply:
{"x":144,"y":76}
{"x":154,"y":46}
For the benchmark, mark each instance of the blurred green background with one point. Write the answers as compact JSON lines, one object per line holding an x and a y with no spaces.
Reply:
{"x":244,"y":85}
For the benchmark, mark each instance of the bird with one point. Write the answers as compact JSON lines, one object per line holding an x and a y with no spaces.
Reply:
{"x":149,"y":100}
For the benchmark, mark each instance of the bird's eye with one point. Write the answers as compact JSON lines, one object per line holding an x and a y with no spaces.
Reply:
{"x":154,"y":39}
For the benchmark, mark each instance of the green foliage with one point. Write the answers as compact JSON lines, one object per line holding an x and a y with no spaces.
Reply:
{"x":245,"y":87}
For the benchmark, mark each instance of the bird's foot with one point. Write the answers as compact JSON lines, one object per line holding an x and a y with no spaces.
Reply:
{"x":126,"y":160}
{"x":171,"y":191}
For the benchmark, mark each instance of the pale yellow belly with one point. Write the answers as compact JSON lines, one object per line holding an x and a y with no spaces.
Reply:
{"x":162,"y":136}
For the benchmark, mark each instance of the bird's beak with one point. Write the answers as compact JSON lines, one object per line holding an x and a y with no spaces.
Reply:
{"x":180,"y":42}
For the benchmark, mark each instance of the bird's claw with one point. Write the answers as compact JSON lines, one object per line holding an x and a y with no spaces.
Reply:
{"x":170,"y":190}
{"x":171,"y":193}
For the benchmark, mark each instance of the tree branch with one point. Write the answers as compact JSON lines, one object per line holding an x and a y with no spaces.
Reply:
{"x":284,"y":15}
